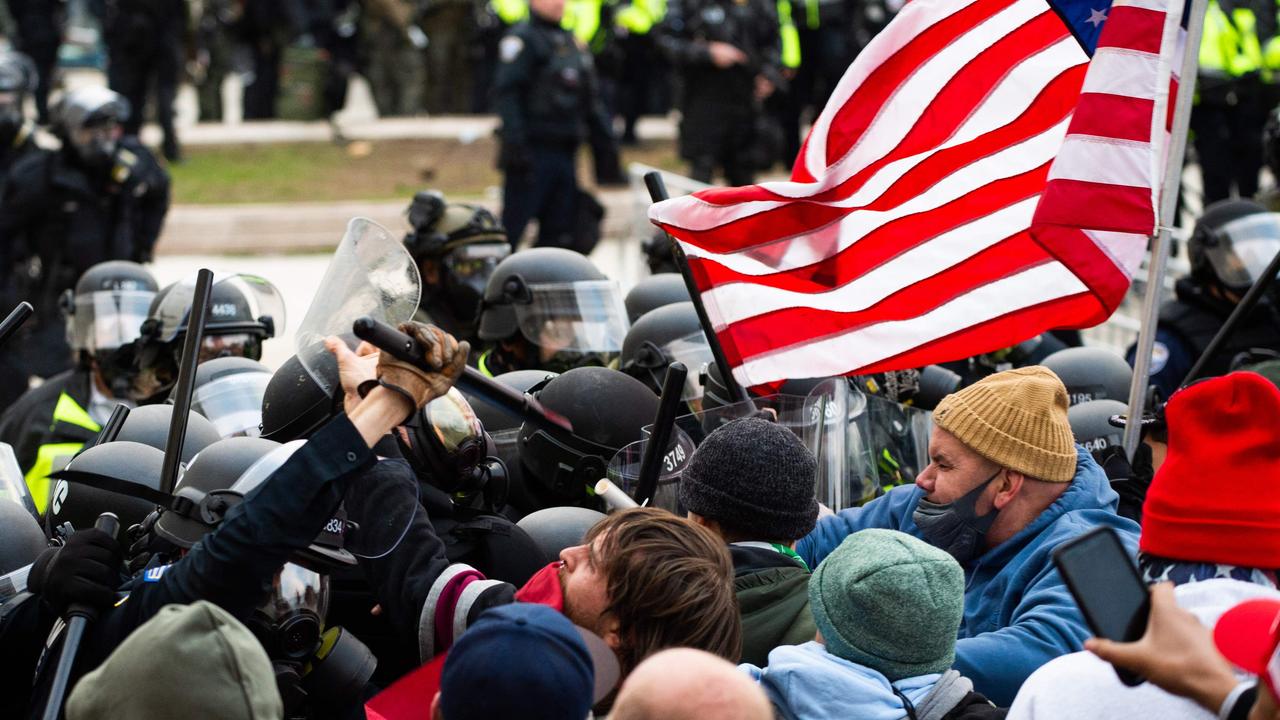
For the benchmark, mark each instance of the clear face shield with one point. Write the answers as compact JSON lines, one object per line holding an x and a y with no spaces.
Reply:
{"x":1251,"y":242}
{"x":233,"y":403}
{"x":578,"y":318}
{"x":470,"y":266}
{"x":107,"y":319}
{"x":692,"y":350}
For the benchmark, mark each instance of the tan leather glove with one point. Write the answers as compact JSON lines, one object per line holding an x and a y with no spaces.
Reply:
{"x":443,"y":353}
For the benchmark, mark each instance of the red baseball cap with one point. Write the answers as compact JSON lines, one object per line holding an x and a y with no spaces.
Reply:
{"x":1248,"y":634}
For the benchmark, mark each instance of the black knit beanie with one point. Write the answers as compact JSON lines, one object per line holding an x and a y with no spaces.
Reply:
{"x":753,"y":477}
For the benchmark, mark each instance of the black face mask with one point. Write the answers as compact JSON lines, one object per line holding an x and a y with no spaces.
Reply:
{"x":955,"y":526}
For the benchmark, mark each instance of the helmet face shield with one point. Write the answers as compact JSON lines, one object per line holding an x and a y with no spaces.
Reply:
{"x":694,"y":352}
{"x":579,"y":317}
{"x":233,"y":403}
{"x":107,"y":319}
{"x":238,"y":303}
{"x":1245,"y":248}
{"x":471,"y":265}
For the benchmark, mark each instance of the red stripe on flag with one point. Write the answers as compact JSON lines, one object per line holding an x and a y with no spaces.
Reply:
{"x":1095,"y":268}
{"x":887,"y":241}
{"x":798,"y":325}
{"x":1099,"y":206}
{"x":1133,"y":28}
{"x":1115,"y":116}
{"x":853,"y":118}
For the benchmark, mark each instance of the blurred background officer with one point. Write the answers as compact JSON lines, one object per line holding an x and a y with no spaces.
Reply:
{"x":17,"y":135}
{"x":144,"y":59}
{"x":50,"y":423}
{"x":214,"y":21}
{"x":456,"y":247}
{"x":102,"y":196}
{"x":1231,"y":244}
{"x":396,"y":67}
{"x":546,"y":93}
{"x":727,"y":55}
{"x":1230,"y":111}
{"x":39,"y":24}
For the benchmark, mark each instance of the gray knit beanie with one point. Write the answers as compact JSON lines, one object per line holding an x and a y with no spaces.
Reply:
{"x":753,"y":477}
{"x":890,"y":602}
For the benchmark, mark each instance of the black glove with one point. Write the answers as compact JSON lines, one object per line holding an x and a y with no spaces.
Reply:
{"x":515,"y":159}
{"x":85,"y":570}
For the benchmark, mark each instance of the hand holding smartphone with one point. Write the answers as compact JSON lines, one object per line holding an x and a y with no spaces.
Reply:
{"x":1106,"y":585}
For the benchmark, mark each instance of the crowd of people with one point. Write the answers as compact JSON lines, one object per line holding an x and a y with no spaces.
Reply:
{"x":354,"y":534}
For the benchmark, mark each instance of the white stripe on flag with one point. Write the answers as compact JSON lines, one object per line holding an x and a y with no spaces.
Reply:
{"x":1127,"y":72}
{"x":1103,"y":160}
{"x":848,"y":351}
{"x":1126,"y":250}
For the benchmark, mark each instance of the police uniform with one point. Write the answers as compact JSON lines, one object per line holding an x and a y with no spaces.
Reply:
{"x":1230,"y":111}
{"x":718,"y":105}
{"x":47,"y":426}
{"x":39,"y":36}
{"x":1187,"y":326}
{"x":144,"y":48}
{"x":546,"y":95}
{"x":54,"y":210}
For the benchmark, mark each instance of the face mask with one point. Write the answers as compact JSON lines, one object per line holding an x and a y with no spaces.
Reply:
{"x":544,"y":588}
{"x":954,"y":526}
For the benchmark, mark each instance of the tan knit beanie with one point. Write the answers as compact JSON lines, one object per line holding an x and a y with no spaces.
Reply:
{"x":1016,"y":419}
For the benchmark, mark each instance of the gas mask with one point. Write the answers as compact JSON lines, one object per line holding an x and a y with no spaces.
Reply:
{"x":446,"y":446}
{"x":96,"y":145}
{"x":955,"y":526}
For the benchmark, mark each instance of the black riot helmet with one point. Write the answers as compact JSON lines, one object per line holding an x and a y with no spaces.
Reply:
{"x":17,"y":81}
{"x":216,"y":469}
{"x":653,"y":292}
{"x":1091,"y":373}
{"x":456,"y":247}
{"x":149,"y":425}
{"x":608,"y":411}
{"x":21,"y":539}
{"x":105,"y":313}
{"x":496,"y":419}
{"x":244,"y":310}
{"x":90,"y":121}
{"x":1091,"y":426}
{"x":671,"y":333}
{"x":121,"y":477}
{"x":556,"y":528}
{"x":228,"y":392}
{"x":295,"y":405}
{"x":560,"y":304}
{"x":1232,"y":244}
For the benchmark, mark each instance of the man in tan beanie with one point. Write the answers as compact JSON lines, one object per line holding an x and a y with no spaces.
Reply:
{"x":1005,"y":486}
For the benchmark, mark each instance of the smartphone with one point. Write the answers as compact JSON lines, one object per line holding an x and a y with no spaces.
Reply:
{"x":1106,"y":585}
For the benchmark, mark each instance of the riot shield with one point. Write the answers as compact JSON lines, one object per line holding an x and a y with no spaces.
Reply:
{"x":624,"y":469}
{"x":13,"y":486}
{"x":371,"y":274}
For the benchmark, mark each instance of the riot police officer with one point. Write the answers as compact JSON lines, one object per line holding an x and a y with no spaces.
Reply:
{"x":549,"y":309}
{"x":39,"y":35}
{"x":144,"y":49}
{"x":1230,"y":246}
{"x":102,"y":196}
{"x":52,"y":421}
{"x":17,"y":134}
{"x":244,"y":311}
{"x":545,"y":90}
{"x":728,"y":56}
{"x":456,"y":247}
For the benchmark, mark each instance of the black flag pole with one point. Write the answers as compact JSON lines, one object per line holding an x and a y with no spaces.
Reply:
{"x":658,"y":192}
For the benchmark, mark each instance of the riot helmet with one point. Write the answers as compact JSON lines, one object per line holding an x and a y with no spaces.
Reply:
{"x":1091,"y":373}
{"x":653,"y":292}
{"x":556,"y":528}
{"x":122,"y":477}
{"x":90,"y":121}
{"x":294,"y":405}
{"x":17,"y":80}
{"x":215,"y":469}
{"x":105,"y":313}
{"x":244,"y":310}
{"x":1233,"y":242}
{"x":456,"y":248}
{"x":608,"y":410}
{"x":1091,"y":426}
{"x":564,"y":309}
{"x":149,"y":425}
{"x":671,"y":333}
{"x":496,"y":419}
{"x":21,"y":539}
{"x":229,"y":392}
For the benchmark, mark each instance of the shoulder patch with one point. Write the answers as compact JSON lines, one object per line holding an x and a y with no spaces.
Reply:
{"x":510,"y":47}
{"x":154,"y":574}
{"x":1159,"y":357}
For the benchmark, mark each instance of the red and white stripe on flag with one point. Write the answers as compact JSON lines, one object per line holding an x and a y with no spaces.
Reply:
{"x":974,"y":180}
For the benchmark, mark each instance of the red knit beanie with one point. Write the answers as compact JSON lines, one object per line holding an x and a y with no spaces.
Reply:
{"x":1215,"y":498}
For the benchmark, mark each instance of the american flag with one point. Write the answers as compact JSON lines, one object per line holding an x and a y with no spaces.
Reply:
{"x":986,"y":170}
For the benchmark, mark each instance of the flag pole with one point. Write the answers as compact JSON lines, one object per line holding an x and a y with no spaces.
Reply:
{"x":658,"y":192}
{"x":1160,"y":241}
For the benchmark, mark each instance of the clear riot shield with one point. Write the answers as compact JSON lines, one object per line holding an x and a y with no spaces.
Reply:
{"x":378,"y":538}
{"x":624,"y":469}
{"x":371,"y":274}
{"x":13,"y":486}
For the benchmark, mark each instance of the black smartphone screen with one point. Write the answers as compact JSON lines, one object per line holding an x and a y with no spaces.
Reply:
{"x":1105,"y":584}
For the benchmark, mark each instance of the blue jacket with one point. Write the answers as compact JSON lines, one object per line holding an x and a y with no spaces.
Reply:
{"x":1018,"y":614}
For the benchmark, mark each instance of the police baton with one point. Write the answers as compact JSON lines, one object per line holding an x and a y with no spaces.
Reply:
{"x":656,"y":447}
{"x":1247,"y":303}
{"x":14,"y":320}
{"x":78,"y":618}
{"x":186,"y":380}
{"x":401,"y":346}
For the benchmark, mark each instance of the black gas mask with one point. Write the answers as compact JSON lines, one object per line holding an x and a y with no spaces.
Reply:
{"x":447,"y":447}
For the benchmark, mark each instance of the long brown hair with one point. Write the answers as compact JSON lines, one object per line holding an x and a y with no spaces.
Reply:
{"x":670,"y":584}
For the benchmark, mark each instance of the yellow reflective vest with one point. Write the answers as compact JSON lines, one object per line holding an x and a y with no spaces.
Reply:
{"x":51,"y":456}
